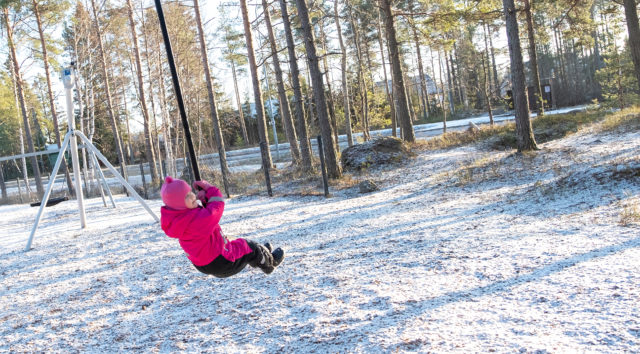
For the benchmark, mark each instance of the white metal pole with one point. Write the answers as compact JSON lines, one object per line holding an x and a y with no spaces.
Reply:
{"x":47,"y":193}
{"x":116,"y":174}
{"x":104,"y":180}
{"x":92,"y":158}
{"x":68,"y":80}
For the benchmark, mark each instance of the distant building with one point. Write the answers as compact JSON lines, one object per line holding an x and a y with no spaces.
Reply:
{"x":413,"y":83}
{"x":270,"y":105}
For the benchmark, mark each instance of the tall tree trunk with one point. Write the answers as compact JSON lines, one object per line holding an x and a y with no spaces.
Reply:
{"x":148,"y":142}
{"x":444,"y":96}
{"x":92,"y":119}
{"x":597,"y":59}
{"x":361,"y":85}
{"x":152,"y":99}
{"x":257,"y":90}
{"x":524,"y":130}
{"x":301,"y":122}
{"x":3,"y":186}
{"x":129,"y":148}
{"x":243,"y":126}
{"x":212,"y":101}
{"x":25,"y":176}
{"x":450,"y":84}
{"x":462,"y":82}
{"x":371,"y":82}
{"x":105,"y":73}
{"x":327,"y":74}
{"x":394,"y":121}
{"x":561,"y":54}
{"x":345,"y":83}
{"x":423,"y":85}
{"x":487,"y":79}
{"x":166,"y":122}
{"x":23,"y":108}
{"x":455,"y":75}
{"x":533,"y":58}
{"x":285,"y":112}
{"x":331,"y":157}
{"x":496,"y":83}
{"x":485,"y":89}
{"x":631,"y":14}
{"x":399,"y":89}
{"x":54,"y":115}
{"x":409,"y":88}
{"x":128,"y":152}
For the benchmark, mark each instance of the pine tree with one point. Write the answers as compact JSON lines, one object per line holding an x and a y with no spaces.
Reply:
{"x":524,"y":130}
{"x":331,"y":157}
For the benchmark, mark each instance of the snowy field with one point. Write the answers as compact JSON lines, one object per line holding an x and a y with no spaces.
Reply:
{"x":464,"y":250}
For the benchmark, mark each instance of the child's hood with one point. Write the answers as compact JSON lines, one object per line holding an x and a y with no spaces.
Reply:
{"x":175,"y":222}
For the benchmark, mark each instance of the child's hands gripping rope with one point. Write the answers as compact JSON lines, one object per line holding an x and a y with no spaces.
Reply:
{"x":211,"y":192}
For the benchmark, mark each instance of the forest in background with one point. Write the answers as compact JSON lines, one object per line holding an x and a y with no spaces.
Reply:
{"x":313,"y":68}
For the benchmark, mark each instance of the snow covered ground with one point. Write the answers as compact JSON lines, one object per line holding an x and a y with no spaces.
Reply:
{"x":463,"y":250}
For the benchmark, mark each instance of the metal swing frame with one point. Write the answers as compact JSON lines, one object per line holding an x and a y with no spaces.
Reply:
{"x":70,"y":142}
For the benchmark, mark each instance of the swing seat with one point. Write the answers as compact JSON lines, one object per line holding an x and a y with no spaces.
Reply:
{"x":51,"y":201}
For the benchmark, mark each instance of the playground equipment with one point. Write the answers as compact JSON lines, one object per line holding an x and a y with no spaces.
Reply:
{"x":70,"y":142}
{"x":70,"y":138}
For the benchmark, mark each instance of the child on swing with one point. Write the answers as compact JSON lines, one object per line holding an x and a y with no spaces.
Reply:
{"x":200,"y":235}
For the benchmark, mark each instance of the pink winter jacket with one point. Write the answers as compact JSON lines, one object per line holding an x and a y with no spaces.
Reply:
{"x":200,"y":234}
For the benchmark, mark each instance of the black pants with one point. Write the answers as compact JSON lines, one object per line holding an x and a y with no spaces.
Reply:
{"x":223,"y":268}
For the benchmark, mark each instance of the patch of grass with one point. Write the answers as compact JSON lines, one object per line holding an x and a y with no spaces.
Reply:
{"x":345,"y":182}
{"x":503,"y":136}
{"x":459,"y":138}
{"x":284,"y":181}
{"x":482,"y":169}
{"x":630,"y":214}
{"x":626,"y":172}
{"x":627,"y":119}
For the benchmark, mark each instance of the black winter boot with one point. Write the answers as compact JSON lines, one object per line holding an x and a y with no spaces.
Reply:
{"x":268,"y":246}
{"x":278,"y":256}
{"x":264,"y":260}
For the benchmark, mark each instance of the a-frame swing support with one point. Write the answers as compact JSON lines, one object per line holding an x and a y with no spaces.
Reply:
{"x":70,"y":142}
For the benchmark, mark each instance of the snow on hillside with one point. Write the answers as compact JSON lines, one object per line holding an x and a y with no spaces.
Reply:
{"x":463,"y":250}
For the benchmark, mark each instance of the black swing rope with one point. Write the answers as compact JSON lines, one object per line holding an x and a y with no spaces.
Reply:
{"x":176,"y":87}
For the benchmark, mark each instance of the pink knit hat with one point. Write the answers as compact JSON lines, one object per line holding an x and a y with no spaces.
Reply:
{"x":173,"y":192}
